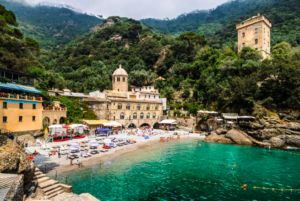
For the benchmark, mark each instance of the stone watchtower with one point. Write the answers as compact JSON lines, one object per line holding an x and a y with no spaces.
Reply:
{"x":255,"y":32}
{"x":120,"y":80}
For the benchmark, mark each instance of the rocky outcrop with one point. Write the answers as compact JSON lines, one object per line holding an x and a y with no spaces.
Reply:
{"x":238,"y":137}
{"x":278,"y":142}
{"x":214,"y":137}
{"x":221,"y":131}
{"x":14,"y":160}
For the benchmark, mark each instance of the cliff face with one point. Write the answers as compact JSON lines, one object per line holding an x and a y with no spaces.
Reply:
{"x":14,"y":160}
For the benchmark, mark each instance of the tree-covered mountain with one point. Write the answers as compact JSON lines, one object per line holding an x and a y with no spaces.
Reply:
{"x":50,"y":26}
{"x":285,"y":18}
{"x":207,"y":22}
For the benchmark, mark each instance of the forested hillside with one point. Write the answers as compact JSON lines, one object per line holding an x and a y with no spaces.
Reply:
{"x":50,"y":26}
{"x":207,"y":22}
{"x":16,"y":51}
{"x":285,"y":18}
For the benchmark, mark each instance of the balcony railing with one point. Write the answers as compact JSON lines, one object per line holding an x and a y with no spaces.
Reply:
{"x":20,"y":97}
{"x":55,"y":108}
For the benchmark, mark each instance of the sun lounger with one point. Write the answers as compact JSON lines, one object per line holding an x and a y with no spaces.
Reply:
{"x":74,"y":155}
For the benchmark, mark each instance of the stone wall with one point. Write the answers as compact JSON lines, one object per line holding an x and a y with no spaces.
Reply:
{"x":16,"y":192}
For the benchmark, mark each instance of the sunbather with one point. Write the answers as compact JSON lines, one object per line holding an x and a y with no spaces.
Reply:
{"x":36,"y":153}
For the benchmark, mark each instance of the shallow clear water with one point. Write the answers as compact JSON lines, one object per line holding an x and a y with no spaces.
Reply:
{"x":182,"y":171}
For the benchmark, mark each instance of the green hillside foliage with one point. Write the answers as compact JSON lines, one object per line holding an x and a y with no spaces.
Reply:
{"x":207,"y":22}
{"x":16,"y":53}
{"x":285,"y":18}
{"x":50,"y":26}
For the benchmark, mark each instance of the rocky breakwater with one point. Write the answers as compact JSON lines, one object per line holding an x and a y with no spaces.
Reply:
{"x":14,"y":160}
{"x":281,"y":129}
{"x":232,"y":136}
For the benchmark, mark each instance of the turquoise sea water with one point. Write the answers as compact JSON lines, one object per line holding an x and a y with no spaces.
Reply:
{"x":182,"y":171}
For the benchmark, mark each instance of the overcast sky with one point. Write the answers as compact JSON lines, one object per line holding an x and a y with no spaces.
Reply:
{"x":139,"y":9}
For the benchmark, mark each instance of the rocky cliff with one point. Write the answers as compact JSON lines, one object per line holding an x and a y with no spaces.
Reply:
{"x":14,"y":160}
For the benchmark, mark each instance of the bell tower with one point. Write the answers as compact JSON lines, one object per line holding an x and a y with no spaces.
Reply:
{"x":120,"y":80}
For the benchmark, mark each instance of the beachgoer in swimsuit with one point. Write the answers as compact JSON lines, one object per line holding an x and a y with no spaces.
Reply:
{"x":196,"y":142}
{"x":71,"y":162}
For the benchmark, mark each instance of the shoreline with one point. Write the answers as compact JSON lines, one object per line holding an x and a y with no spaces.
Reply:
{"x":61,"y":166}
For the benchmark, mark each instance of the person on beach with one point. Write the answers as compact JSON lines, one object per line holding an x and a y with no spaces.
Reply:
{"x":79,"y":163}
{"x":178,"y":137}
{"x":196,"y":141}
{"x":58,"y":153}
{"x":36,"y":153}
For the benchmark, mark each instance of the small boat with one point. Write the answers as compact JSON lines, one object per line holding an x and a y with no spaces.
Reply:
{"x":61,"y":140}
{"x":78,"y":137}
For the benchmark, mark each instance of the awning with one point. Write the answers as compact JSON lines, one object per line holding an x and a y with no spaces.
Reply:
{"x":95,"y":122}
{"x":56,"y":126}
{"x":168,"y":121}
{"x":207,"y":112}
{"x":114,"y":124}
{"x":103,"y":129}
{"x":230,"y":117}
{"x":246,"y":117}
{"x":19,"y":88}
{"x":20,"y":101}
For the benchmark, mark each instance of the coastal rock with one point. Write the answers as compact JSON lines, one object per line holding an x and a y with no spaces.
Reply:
{"x":282,"y":125}
{"x":214,"y":137}
{"x":278,"y":141}
{"x":238,"y":137}
{"x":269,"y":133}
{"x":221,"y":131}
{"x":294,"y":126}
{"x":14,"y":160}
{"x":262,"y":122}
{"x":257,"y":126}
{"x":293,"y":140}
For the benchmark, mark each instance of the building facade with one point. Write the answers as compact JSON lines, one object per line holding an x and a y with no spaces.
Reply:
{"x":255,"y":32}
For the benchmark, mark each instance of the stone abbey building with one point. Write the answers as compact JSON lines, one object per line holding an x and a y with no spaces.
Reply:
{"x":143,"y":106}
{"x":255,"y":32}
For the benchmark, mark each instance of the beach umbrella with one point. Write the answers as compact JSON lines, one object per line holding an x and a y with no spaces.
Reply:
{"x":93,"y":141}
{"x":73,"y":148}
{"x":107,"y":141}
{"x":94,"y":145}
{"x":74,"y":144}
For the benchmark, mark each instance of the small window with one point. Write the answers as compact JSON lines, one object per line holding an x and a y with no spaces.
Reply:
{"x":4,"y":119}
{"x":118,"y":79}
{"x":134,"y":116}
{"x":21,"y":105}
{"x":20,"y":118}
{"x":33,"y":118}
{"x":156,"y":107}
{"x":243,"y":44}
{"x":158,"y":96}
{"x":92,"y":106}
{"x":69,"y":98}
{"x":56,"y":95}
{"x":123,"y":79}
{"x":256,"y":48}
{"x":127,"y":107}
{"x":122,"y":116}
{"x":145,"y":96}
{"x":107,"y":106}
{"x":149,"y":87}
{"x":243,"y":23}
{"x":119,"y":107}
{"x":138,"y":107}
{"x":81,"y":99}
{"x":34,"y":106}
{"x":255,"y":30}
{"x":154,"y":96}
{"x":148,"y":107}
{"x":154,"y":116}
{"x":4,"y":105}
{"x":142,"y":116}
{"x":243,"y":34}
{"x":148,"y":116}
{"x":149,"y":96}
{"x":139,"y":96}
{"x":146,"y":87}
{"x":81,"y":106}
{"x":256,"y":41}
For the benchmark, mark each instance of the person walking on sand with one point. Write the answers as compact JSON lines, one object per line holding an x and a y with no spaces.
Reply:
{"x":71,"y":162}
{"x":58,"y":153}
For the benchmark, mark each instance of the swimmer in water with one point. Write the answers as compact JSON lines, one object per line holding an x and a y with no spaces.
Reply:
{"x":200,"y":145}
{"x":196,"y":142}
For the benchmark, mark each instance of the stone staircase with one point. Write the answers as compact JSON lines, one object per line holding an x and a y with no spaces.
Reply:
{"x":49,"y":187}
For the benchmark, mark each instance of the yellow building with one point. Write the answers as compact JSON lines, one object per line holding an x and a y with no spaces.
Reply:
{"x":255,"y":32}
{"x":21,"y":109}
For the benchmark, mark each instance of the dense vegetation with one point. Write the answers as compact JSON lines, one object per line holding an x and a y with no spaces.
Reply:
{"x":16,"y":52}
{"x":50,"y":26}
{"x":207,"y":22}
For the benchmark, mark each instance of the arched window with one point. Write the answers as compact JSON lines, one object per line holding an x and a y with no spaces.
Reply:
{"x":142,"y":116}
{"x":123,"y":79}
{"x":122,"y":116}
{"x":118,"y":79}
{"x":148,"y":116}
{"x":154,"y":115}
{"x":120,"y":107}
{"x":138,"y":107}
{"x":134,"y":116}
{"x":148,"y":107}
{"x":128,"y":107}
{"x":156,"y":107}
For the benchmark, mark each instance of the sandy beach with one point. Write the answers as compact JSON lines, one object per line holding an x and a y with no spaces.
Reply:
{"x":52,"y":165}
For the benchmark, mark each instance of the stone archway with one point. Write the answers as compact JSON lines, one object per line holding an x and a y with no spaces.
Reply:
{"x":54,"y":121}
{"x":46,"y":121}
{"x":145,"y":124}
{"x":156,"y":125}
{"x":62,"y":120}
{"x":132,"y":125}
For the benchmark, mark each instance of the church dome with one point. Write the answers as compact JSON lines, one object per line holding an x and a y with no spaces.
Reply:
{"x":120,"y":71}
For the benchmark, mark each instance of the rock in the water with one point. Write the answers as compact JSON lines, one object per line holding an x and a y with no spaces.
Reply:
{"x":278,"y":141}
{"x":221,"y":131}
{"x":293,"y":140}
{"x":238,"y":137}
{"x":214,"y":137}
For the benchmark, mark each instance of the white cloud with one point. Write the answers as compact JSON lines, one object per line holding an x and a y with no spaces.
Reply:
{"x":139,"y":9}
